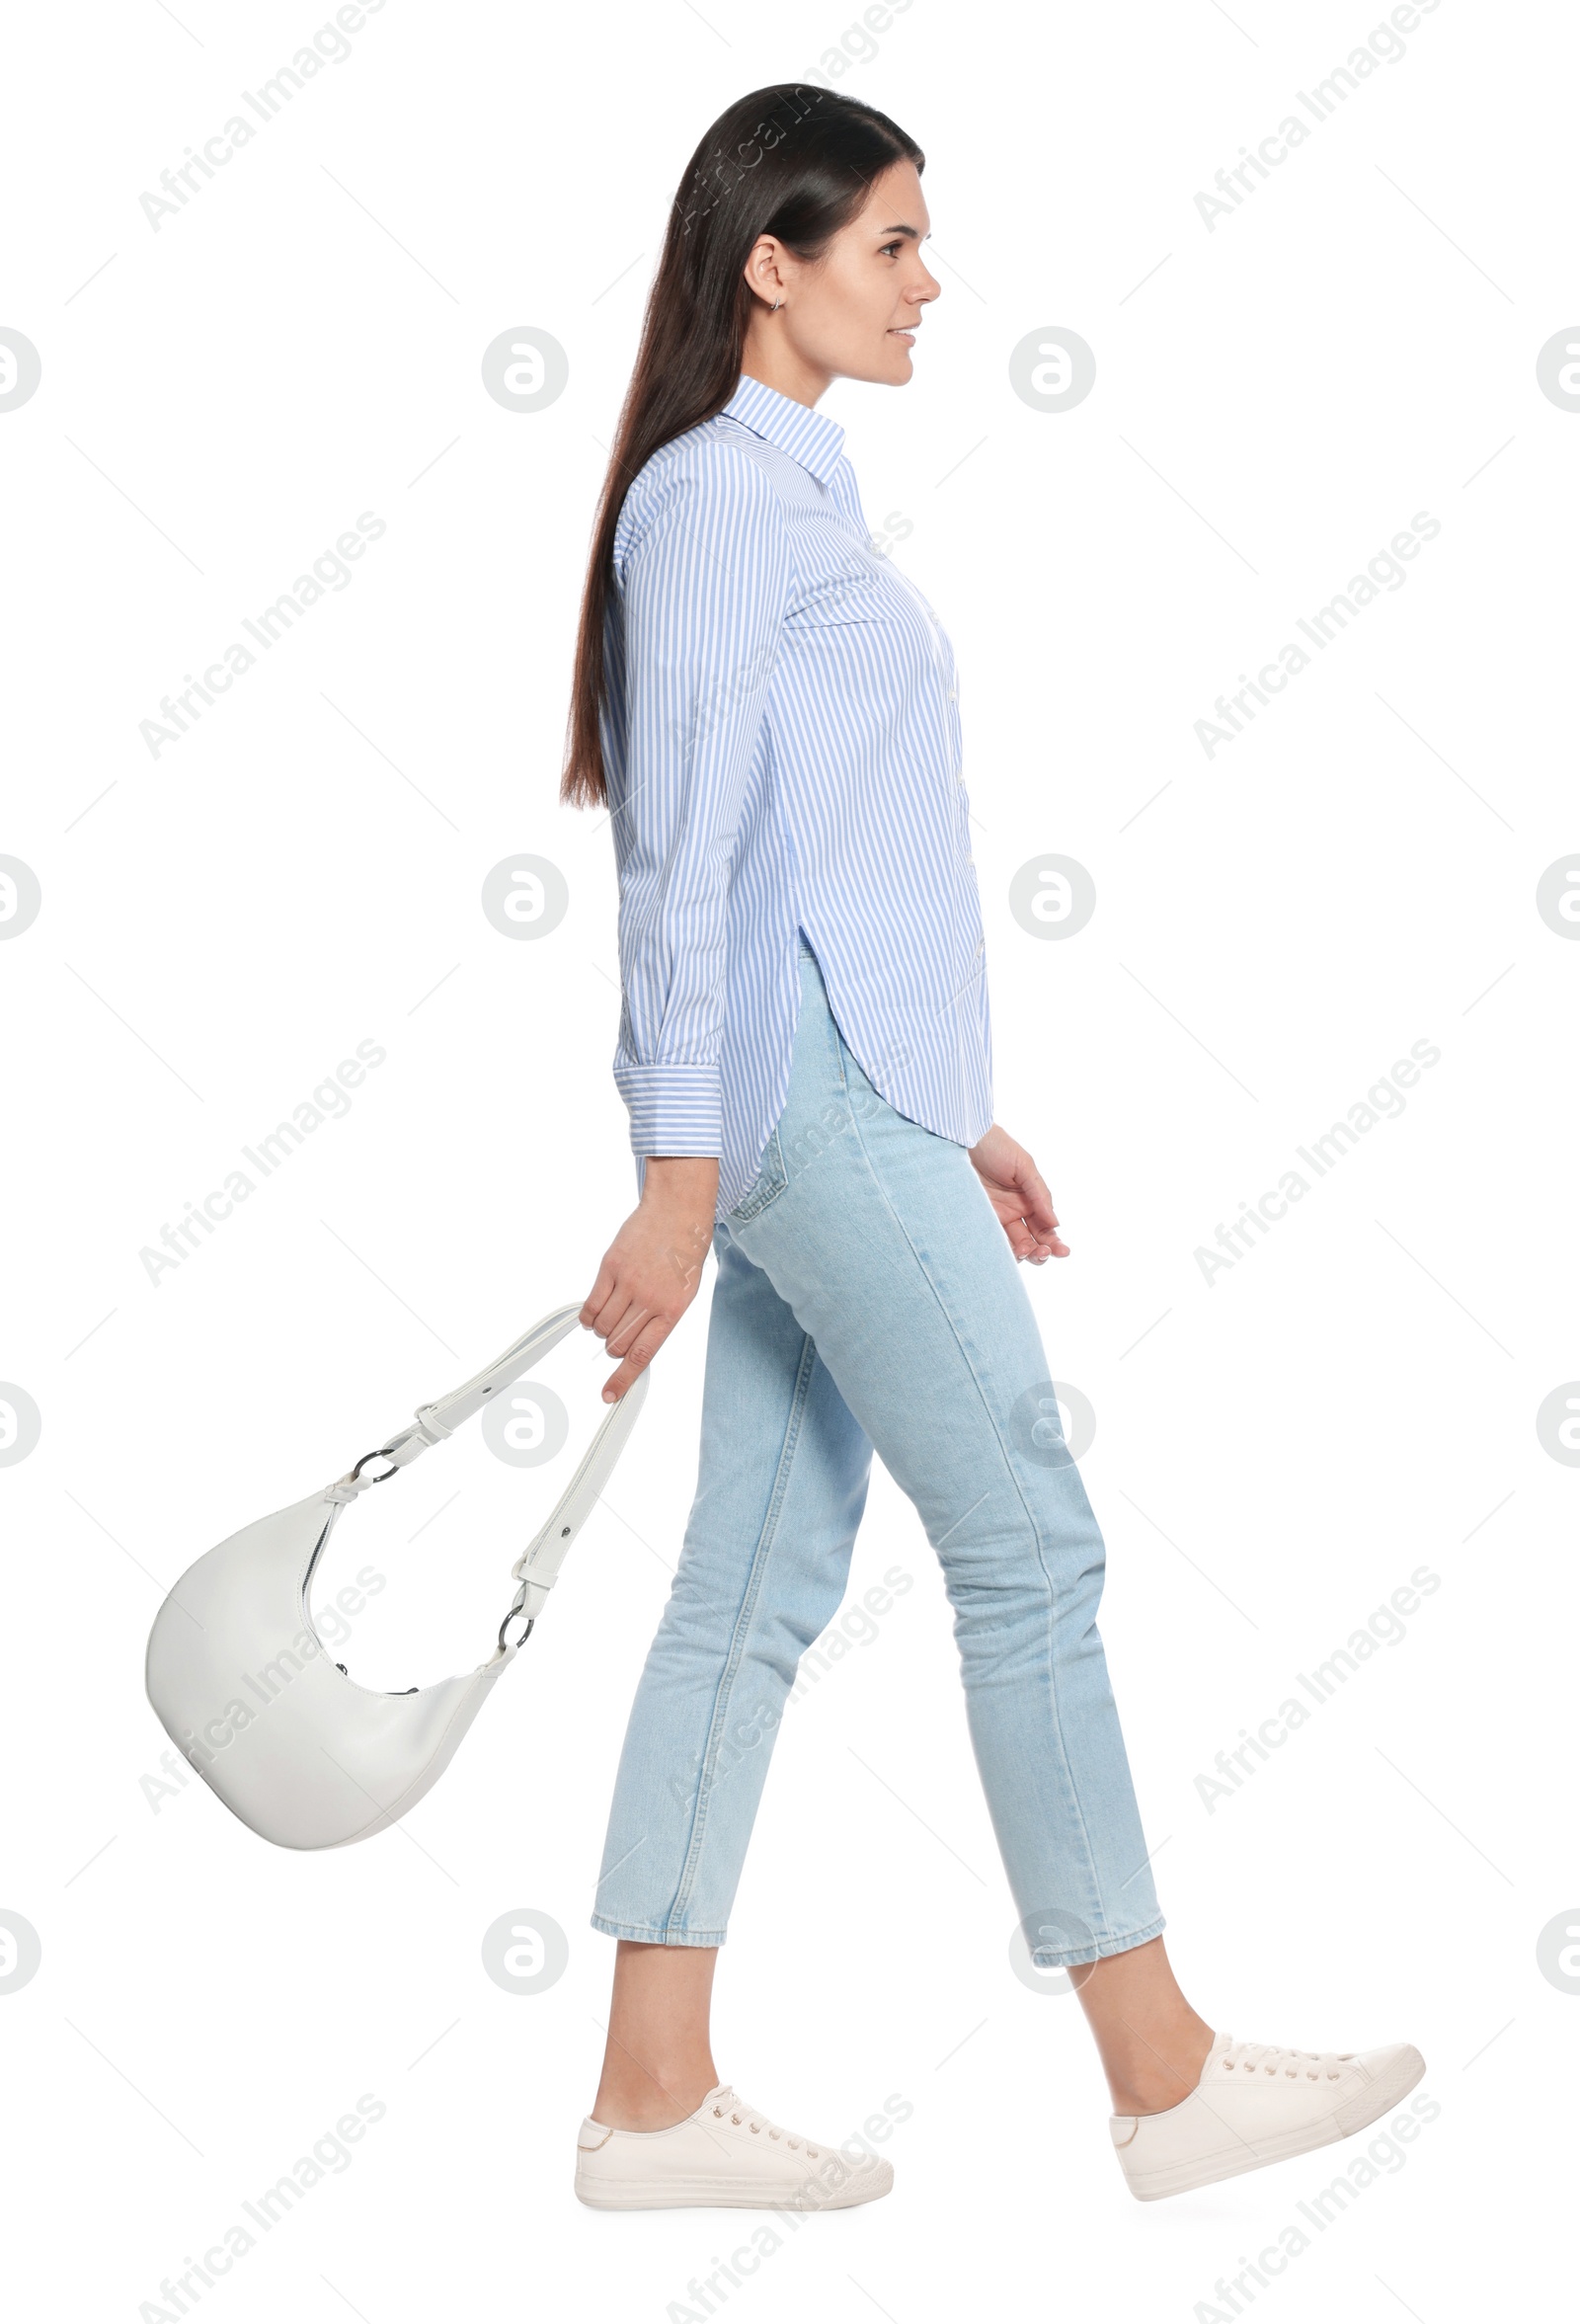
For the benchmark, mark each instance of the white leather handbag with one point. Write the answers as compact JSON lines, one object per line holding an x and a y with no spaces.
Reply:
{"x":252,"y":1697}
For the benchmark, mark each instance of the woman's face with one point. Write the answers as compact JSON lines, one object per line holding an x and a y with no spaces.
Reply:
{"x":854,"y":314}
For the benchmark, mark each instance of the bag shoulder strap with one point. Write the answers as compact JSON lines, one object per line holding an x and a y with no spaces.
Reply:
{"x":537,"y":1569}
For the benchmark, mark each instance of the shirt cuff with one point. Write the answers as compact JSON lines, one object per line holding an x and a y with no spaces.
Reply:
{"x":675,"y":1108}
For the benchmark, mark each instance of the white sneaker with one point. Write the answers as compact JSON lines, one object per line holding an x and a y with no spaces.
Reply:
{"x":727,"y":2154}
{"x":1257,"y":2104}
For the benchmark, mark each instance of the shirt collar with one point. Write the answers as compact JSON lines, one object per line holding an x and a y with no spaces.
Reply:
{"x":809,"y":439}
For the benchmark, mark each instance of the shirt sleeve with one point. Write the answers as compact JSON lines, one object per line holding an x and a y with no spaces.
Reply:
{"x":704,"y":588}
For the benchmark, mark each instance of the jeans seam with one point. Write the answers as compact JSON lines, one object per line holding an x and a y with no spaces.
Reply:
{"x":771,"y":1169}
{"x":640,"y":1933}
{"x":1090,"y":1866}
{"x":836,"y":1038}
{"x":749,"y":1600}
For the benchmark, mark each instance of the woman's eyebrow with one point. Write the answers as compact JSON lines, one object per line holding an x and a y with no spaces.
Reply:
{"x":911,"y":230}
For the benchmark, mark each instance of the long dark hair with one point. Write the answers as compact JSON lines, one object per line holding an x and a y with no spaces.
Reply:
{"x":789,"y":160}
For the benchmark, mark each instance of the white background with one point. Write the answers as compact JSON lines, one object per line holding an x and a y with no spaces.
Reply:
{"x":1274,"y":1453}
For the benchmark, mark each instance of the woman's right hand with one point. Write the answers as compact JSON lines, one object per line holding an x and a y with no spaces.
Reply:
{"x":650,"y":1270}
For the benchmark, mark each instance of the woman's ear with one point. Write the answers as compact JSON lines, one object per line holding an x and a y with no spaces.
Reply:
{"x":763,"y":271}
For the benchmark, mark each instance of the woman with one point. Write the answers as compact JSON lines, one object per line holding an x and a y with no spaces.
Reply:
{"x":768,"y":710}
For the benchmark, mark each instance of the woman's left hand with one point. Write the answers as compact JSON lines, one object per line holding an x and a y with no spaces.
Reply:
{"x":1017,"y":1193}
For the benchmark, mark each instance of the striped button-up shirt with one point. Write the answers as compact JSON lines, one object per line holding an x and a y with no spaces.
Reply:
{"x":781,"y":744}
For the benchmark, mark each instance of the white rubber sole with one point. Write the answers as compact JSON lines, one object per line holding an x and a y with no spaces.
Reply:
{"x":1376,"y":2099}
{"x":709,"y":2194}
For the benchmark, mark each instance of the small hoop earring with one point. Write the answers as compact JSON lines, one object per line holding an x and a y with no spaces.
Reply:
{"x":774,"y":309}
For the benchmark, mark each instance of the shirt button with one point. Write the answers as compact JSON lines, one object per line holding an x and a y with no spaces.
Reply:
{"x":952,"y":695}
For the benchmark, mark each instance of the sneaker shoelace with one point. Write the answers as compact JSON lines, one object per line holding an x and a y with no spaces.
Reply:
{"x":1266,"y":2057}
{"x":731,"y":2107}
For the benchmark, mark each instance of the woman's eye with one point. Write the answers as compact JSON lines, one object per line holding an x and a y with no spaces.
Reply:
{"x":889,"y":249}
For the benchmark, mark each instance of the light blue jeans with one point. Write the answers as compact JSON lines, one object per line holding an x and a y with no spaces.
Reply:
{"x":867,"y":1296}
